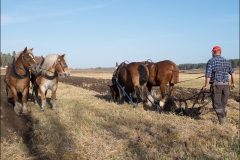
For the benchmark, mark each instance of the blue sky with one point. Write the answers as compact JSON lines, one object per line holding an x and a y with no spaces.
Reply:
{"x":98,"y":33}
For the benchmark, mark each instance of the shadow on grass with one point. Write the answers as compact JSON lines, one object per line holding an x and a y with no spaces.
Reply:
{"x":37,"y":141}
{"x":58,"y":139}
{"x":106,"y":97}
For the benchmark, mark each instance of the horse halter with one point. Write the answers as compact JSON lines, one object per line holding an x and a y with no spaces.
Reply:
{"x":27,"y":59}
{"x":62,"y":65}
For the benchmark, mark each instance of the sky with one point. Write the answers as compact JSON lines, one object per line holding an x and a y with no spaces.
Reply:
{"x":99,"y":33}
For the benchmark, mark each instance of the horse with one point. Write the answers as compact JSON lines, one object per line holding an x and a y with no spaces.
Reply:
{"x":17,"y":78}
{"x":132,"y":76}
{"x":47,"y":77}
{"x":160,"y":74}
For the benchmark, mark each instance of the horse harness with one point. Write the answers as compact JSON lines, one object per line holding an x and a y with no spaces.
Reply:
{"x":15,"y":74}
{"x":55,"y":74}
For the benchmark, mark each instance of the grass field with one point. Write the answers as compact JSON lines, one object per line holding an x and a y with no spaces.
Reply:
{"x":86,"y":126}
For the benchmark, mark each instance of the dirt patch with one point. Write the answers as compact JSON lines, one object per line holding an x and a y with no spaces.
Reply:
{"x":10,"y":122}
{"x":98,"y":85}
{"x":101,"y":86}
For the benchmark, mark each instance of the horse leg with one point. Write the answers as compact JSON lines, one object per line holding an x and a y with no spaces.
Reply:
{"x":35,"y":89}
{"x":140,"y":95}
{"x":171,"y":90}
{"x":136,"y":94}
{"x":54,"y":104}
{"x":163,"y":93}
{"x":24,"y":100}
{"x":121,"y":97}
{"x":43,"y":97}
{"x":144,"y":94}
{"x":149,"y":97}
{"x":17,"y":105}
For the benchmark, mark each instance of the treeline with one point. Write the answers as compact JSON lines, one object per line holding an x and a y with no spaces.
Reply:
{"x":202,"y":66}
{"x":6,"y":58}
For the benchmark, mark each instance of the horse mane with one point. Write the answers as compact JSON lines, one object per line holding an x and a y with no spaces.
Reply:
{"x":115,"y":73}
{"x":17,"y":55}
{"x":48,"y":62}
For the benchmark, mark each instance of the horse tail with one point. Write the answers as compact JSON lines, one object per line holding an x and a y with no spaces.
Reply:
{"x":143,"y":74}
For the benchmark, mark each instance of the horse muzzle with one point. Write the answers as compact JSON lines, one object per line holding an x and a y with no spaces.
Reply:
{"x":33,"y":70}
{"x":65,"y":74}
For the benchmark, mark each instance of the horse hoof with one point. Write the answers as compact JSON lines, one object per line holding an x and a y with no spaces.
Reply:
{"x":25,"y":113}
{"x":17,"y":113}
{"x":54,"y":108}
{"x":42,"y":109}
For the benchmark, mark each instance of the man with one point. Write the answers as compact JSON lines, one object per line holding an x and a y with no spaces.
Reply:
{"x":217,"y":71}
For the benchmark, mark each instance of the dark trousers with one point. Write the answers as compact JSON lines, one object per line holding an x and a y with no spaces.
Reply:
{"x":220,"y":94}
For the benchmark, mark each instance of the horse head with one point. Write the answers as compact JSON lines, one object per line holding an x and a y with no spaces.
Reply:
{"x":62,"y":67}
{"x":28,"y":60}
{"x":114,"y":92}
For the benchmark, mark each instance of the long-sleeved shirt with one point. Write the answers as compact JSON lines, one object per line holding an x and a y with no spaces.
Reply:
{"x":218,"y":68}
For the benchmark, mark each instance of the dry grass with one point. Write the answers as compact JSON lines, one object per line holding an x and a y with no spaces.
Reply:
{"x":3,"y":71}
{"x":87,"y":127}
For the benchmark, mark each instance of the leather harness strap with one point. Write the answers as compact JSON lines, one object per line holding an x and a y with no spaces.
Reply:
{"x":15,"y":74}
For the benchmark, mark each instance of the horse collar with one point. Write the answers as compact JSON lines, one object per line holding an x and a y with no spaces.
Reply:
{"x":51,"y":77}
{"x":14,"y":73}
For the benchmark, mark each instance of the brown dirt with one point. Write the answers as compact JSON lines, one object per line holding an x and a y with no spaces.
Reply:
{"x":101,"y":86}
{"x":10,"y":122}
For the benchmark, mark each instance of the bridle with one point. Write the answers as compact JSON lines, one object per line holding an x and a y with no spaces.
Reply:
{"x":27,"y":60}
{"x":26,"y":70}
{"x":61,"y":64}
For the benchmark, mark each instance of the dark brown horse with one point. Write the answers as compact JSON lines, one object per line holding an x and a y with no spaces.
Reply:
{"x":17,"y":78}
{"x":161,"y":74}
{"x":130,"y":76}
{"x":47,"y":77}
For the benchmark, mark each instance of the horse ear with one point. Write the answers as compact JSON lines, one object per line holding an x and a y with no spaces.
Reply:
{"x":25,"y":50}
{"x":63,"y":55}
{"x":31,"y":49}
{"x":116,"y":65}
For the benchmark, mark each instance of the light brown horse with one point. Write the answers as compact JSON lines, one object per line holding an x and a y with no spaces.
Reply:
{"x":47,"y":77}
{"x":133,"y":75}
{"x":160,"y":74}
{"x":17,"y":78}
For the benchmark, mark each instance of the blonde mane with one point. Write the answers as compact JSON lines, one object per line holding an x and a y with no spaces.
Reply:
{"x":17,"y":55}
{"x":48,"y":62}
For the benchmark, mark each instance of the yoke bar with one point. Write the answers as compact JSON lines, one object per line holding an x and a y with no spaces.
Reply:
{"x":126,"y":94}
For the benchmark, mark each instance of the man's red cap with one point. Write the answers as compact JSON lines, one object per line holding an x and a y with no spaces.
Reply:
{"x":216,"y":48}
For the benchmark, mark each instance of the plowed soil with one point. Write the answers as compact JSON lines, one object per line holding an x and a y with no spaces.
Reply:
{"x":101,"y":86}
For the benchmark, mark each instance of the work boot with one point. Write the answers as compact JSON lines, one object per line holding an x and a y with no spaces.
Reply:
{"x":222,"y":121}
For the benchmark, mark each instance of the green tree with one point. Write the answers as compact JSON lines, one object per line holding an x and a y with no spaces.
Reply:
{"x":13,"y":53}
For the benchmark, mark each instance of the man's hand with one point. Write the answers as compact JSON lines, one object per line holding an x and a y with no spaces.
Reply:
{"x":233,"y":86}
{"x":206,"y":83}
{"x":204,"y":87}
